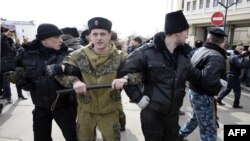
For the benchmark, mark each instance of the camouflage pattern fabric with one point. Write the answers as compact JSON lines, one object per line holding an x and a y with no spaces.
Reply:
{"x":202,"y":115}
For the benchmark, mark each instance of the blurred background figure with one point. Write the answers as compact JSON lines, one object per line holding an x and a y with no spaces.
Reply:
{"x":85,"y":38}
{"x":71,"y":38}
{"x":7,"y":61}
{"x":236,"y":63}
{"x":134,"y":43}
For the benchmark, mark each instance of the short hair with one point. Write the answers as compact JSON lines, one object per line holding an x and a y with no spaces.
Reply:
{"x":114,"y":36}
{"x":215,"y":39}
{"x":198,"y":43}
{"x":85,"y":32}
{"x":138,"y":39}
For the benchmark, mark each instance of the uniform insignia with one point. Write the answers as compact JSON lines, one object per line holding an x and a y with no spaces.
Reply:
{"x":96,"y":23}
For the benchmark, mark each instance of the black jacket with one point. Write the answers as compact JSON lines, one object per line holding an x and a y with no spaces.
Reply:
{"x":165,"y":75}
{"x":211,"y":60}
{"x":7,"y":54}
{"x":43,"y":89}
{"x":236,"y":63}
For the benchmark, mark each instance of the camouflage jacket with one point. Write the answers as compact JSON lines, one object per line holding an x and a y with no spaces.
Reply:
{"x":96,"y":69}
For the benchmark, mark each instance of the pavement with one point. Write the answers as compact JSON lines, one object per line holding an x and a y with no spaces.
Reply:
{"x":16,"y":118}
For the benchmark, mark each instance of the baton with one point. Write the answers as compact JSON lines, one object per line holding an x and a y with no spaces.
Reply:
{"x":66,"y":91}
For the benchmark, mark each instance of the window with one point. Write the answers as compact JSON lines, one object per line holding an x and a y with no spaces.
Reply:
{"x":188,"y":6}
{"x":239,"y":1}
{"x":215,"y":3}
{"x":194,"y":5}
{"x":208,"y":4}
{"x":231,"y":1}
{"x":222,"y":1}
{"x":201,"y":4}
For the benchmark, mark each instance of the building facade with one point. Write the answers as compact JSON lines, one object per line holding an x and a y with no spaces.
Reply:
{"x":199,"y":12}
{"x":23,"y":29}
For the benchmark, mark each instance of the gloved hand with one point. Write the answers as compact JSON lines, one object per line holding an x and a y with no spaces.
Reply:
{"x":144,"y":102}
{"x":10,"y":76}
{"x":223,"y":83}
{"x":53,"y":70}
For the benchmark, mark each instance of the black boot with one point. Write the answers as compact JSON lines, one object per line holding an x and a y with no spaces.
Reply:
{"x":21,"y":97}
{"x":9,"y":100}
{"x":1,"y":108}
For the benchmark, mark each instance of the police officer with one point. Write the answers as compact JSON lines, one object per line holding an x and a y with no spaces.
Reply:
{"x":236,"y":63}
{"x":211,"y":60}
{"x":166,"y":68}
{"x":7,"y":61}
{"x":47,"y":49}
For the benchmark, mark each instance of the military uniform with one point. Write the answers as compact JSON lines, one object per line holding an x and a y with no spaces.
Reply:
{"x":96,"y":106}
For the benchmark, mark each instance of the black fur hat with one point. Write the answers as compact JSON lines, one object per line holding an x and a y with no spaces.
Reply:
{"x":100,"y":23}
{"x":46,"y":30}
{"x":175,"y":22}
{"x":71,"y":31}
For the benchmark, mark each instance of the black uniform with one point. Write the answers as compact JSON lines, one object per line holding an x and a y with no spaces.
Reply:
{"x":164,"y":84}
{"x":7,"y":64}
{"x":43,"y":89}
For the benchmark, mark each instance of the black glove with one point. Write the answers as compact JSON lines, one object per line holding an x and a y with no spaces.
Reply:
{"x":53,"y":70}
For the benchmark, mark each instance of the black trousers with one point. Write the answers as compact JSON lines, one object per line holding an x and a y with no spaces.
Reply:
{"x":64,"y":117}
{"x":159,"y":127}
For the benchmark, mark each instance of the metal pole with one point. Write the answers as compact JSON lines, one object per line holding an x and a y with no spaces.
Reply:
{"x":226,"y":8}
{"x":225,"y":16}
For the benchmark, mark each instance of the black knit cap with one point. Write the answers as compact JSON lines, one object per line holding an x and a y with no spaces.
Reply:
{"x":100,"y":23}
{"x":46,"y":30}
{"x":175,"y":22}
{"x":71,"y":31}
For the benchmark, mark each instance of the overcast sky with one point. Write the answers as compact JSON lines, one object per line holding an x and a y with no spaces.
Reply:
{"x":143,"y":17}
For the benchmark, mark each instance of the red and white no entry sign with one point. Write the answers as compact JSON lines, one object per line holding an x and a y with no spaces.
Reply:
{"x":217,"y":18}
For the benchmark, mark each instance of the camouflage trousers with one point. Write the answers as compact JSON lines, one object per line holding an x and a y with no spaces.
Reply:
{"x":108,"y":124}
{"x":203,"y":115}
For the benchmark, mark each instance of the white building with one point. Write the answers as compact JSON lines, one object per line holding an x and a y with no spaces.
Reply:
{"x":199,"y":12}
{"x":23,"y":29}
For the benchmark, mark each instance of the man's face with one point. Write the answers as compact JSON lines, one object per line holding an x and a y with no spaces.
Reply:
{"x":240,"y":49}
{"x":54,"y":42}
{"x":100,"y":38}
{"x":181,"y":37}
{"x":134,"y":43}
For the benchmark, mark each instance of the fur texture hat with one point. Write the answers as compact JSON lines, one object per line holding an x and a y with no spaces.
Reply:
{"x":46,"y":30}
{"x":71,"y":31}
{"x":99,"y":23}
{"x":175,"y":22}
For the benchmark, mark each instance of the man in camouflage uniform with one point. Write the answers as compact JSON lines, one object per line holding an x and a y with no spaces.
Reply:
{"x":98,"y":62}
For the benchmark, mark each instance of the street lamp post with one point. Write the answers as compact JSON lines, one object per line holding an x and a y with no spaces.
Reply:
{"x":226,"y":6}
